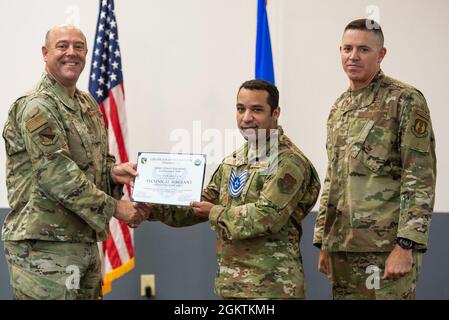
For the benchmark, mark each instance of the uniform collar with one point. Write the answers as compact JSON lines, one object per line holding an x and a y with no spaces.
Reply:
{"x":245,"y":154}
{"x":363,"y":97}
{"x":52,"y":85}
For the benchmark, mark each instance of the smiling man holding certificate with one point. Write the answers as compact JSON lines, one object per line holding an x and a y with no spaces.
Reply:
{"x":255,"y":202}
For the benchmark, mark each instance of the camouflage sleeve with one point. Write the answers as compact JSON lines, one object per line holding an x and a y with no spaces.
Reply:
{"x":278,"y":199}
{"x":322,"y":211}
{"x":321,"y":216}
{"x":176,"y":216}
{"x":56,"y":174}
{"x":116,"y":190}
{"x":418,"y":178}
{"x":212,"y":192}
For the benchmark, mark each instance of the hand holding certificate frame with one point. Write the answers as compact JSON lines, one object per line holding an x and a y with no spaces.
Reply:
{"x":169,"y":178}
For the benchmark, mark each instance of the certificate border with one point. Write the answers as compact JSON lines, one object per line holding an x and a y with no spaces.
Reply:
{"x":179,"y":153}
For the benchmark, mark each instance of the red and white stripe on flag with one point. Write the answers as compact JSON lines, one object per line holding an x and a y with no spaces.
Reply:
{"x":106,"y":86}
{"x":118,"y":251}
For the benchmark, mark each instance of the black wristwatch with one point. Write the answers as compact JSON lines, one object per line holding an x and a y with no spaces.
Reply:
{"x":405,"y":243}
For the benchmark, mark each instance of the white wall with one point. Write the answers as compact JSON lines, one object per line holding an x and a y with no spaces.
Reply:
{"x":184,"y":60}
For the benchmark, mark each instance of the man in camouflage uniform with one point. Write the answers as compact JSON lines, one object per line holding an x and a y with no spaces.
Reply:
{"x":62,"y":183}
{"x":255,"y":204}
{"x":378,"y":194}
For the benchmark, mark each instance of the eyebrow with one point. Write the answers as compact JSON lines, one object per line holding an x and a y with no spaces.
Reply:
{"x":250,"y":106}
{"x":355,"y":46}
{"x":67,"y":41}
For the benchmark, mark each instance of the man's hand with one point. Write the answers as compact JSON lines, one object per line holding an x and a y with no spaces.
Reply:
{"x":124,"y":173}
{"x":202,"y":208}
{"x":399,"y":263}
{"x":324,"y":264}
{"x":130,"y":212}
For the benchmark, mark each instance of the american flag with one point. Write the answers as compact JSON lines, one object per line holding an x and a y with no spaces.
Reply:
{"x":106,"y":86}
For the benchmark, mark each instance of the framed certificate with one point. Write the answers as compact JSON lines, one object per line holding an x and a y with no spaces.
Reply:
{"x":169,"y":178}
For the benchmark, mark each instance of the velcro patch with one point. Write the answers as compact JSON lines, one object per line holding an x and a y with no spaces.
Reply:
{"x":36,"y":122}
{"x":418,"y":132}
{"x":287,"y":183}
{"x":47,"y":136}
{"x":419,"y":128}
{"x":423,"y":115}
{"x":420,"y":124}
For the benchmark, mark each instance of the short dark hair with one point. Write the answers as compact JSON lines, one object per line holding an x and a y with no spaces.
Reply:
{"x":273,"y":93}
{"x":367,"y":25}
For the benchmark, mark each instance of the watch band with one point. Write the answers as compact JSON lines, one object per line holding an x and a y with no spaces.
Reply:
{"x":405,"y":243}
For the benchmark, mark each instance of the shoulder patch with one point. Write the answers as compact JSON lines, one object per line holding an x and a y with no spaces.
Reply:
{"x":287,"y":183}
{"x":420,"y":124}
{"x":47,"y":136}
{"x":422,"y":115}
{"x":36,"y":122}
{"x":417,"y":135}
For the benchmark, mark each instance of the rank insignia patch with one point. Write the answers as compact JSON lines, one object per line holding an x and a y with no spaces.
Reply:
{"x":237,"y":182}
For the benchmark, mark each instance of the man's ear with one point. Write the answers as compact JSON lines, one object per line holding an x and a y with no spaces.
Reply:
{"x":276,"y":113}
{"x":382,"y":54}
{"x":44,"y":53}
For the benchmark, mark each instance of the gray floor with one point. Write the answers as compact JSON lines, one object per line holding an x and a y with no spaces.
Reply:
{"x":184,"y":263}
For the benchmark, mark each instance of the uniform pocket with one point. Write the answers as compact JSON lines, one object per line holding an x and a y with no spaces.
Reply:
{"x":373,"y":146}
{"x":77,"y":145}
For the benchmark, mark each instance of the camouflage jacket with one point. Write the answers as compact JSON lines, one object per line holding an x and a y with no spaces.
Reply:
{"x":380,"y":181}
{"x":58,"y":167}
{"x":258,"y":231}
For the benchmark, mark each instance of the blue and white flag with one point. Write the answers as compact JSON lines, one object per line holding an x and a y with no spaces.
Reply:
{"x":264,"y":57}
